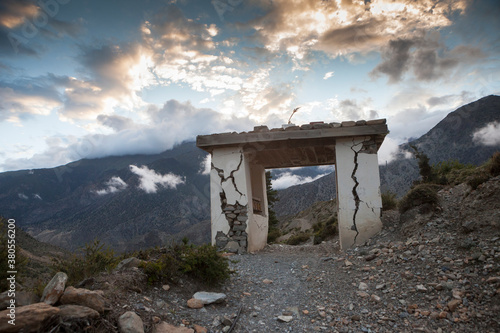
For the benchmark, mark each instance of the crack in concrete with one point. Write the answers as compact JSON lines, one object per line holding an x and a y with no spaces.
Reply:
{"x":354,"y":189}
{"x":223,"y":179}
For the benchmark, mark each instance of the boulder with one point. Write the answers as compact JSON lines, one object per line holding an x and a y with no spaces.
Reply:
{"x":54,"y":289}
{"x":29,"y":318}
{"x":194,"y":303}
{"x":130,"y":322}
{"x":79,"y":296}
{"x":164,"y":327}
{"x":210,"y":297}
{"x":70,"y":312}
{"x":128,"y":263}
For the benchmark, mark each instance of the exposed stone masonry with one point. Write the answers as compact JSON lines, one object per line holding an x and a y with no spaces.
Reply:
{"x":236,"y":239}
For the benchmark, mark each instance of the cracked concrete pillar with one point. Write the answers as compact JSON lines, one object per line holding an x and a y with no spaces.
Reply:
{"x":358,"y":191}
{"x":235,"y":184}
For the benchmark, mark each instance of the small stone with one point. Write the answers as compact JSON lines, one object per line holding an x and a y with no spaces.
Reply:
{"x":267,"y":281}
{"x":362,"y":286}
{"x":194,"y":303}
{"x":347,"y":263}
{"x":453,"y":304}
{"x":164,"y":327}
{"x":210,"y":297}
{"x":375,"y":298}
{"x":421,"y":287}
{"x":356,"y":317}
{"x":166,"y":287}
{"x":130,"y":322}
{"x":285,"y":319}
{"x":363,"y":294}
{"x":199,"y":329}
{"x":370,"y":257}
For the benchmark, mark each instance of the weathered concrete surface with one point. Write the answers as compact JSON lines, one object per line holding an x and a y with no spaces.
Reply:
{"x":358,"y":191}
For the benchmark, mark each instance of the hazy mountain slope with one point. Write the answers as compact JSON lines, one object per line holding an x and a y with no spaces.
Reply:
{"x":61,"y":205}
{"x":451,"y":138}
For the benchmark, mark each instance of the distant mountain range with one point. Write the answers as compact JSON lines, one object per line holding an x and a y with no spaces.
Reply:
{"x":108,"y":199}
{"x":101,"y":198}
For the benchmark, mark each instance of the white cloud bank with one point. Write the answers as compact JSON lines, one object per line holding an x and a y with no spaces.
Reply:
{"x":115,"y":184}
{"x":489,"y":135}
{"x":149,"y":179}
{"x":288,"y":179}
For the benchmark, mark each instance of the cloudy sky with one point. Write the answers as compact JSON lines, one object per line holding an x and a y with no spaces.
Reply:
{"x":83,"y":79}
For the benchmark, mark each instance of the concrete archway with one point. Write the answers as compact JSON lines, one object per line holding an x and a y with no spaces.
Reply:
{"x":237,"y":178}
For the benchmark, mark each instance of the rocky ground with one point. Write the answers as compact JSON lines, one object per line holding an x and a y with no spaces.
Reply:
{"x":429,"y":270}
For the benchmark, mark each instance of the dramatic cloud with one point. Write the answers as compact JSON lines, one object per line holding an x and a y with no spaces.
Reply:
{"x":338,"y":28}
{"x":23,"y":21}
{"x":18,"y":101}
{"x":287,"y":179}
{"x":489,"y":135}
{"x":150,"y":180}
{"x":349,"y":109}
{"x":115,"y":184}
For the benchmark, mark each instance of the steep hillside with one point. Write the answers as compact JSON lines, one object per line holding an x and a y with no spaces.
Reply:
{"x":451,"y":138}
{"x":62,"y":206}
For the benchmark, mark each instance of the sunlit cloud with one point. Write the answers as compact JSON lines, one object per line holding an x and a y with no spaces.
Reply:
{"x":150,"y":180}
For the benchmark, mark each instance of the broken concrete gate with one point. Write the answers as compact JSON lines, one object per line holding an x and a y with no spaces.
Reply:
{"x":238,"y":185}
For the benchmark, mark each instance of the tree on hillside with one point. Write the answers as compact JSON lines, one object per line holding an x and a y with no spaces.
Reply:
{"x":425,"y":169}
{"x":272,"y":197}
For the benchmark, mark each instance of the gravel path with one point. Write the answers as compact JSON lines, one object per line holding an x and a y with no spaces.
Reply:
{"x":435,"y":271}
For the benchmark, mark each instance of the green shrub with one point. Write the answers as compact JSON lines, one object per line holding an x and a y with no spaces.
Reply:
{"x":205,"y":264}
{"x":324,"y":229}
{"x":273,"y":234}
{"x":420,"y":194}
{"x":298,"y":238}
{"x":165,"y":268}
{"x":95,"y":258}
{"x":494,"y":164}
{"x":389,"y":201}
{"x":452,"y":172}
{"x":202,"y":263}
{"x":477,"y":179}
